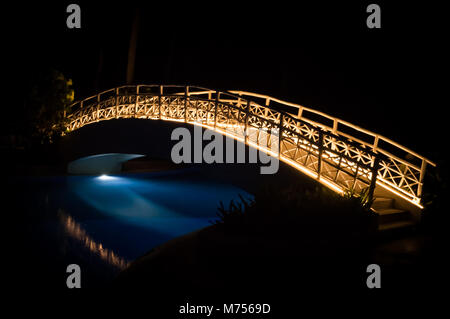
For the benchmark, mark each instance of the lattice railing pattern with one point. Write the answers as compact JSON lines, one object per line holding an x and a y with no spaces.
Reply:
{"x":326,"y":153}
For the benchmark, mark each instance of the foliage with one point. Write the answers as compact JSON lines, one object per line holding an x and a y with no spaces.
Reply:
{"x":362,"y":198}
{"x":436,"y":192}
{"x":310,"y":211}
{"x":47,"y":104}
{"x":234,"y":213}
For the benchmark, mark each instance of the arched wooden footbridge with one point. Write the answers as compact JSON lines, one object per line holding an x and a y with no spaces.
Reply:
{"x":339,"y":154}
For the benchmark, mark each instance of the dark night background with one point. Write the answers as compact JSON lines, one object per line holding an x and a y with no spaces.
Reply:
{"x":322,"y":56}
{"x":318,"y":54}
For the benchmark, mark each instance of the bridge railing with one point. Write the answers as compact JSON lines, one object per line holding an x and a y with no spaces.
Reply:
{"x":402,"y":168}
{"x":326,"y":147}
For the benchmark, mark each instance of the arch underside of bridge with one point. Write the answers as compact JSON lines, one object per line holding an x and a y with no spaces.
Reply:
{"x":338,"y":160}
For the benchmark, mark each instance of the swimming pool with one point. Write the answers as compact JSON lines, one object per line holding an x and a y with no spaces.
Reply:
{"x":105,"y":222}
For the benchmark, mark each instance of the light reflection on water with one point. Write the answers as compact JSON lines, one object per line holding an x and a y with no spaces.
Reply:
{"x":104,"y":223}
{"x":171,"y":207}
{"x":74,"y":230}
{"x":116,"y":219}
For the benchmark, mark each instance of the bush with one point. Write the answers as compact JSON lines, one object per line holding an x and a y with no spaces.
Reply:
{"x":299,"y":211}
{"x":47,"y":104}
{"x":435,"y":196}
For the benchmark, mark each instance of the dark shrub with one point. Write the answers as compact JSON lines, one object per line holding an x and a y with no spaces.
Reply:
{"x":314,"y":212}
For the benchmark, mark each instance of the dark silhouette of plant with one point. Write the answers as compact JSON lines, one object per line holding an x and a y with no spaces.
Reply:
{"x":234,"y":213}
{"x":46,"y":106}
{"x":361,"y":198}
{"x":435,"y":197}
{"x":300,"y":211}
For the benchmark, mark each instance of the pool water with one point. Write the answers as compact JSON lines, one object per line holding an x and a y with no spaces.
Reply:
{"x":105,"y":222}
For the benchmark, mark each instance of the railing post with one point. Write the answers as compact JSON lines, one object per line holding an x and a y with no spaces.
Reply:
{"x":375,"y":143}
{"x":300,"y":111}
{"x":117,"y":103}
{"x":136,"y":102}
{"x":247,"y":111}
{"x":186,"y":94}
{"x":266,"y":109}
{"x":98,"y":106}
{"x":159,"y":99}
{"x":373,"y":181}
{"x":215,"y":109}
{"x":280,"y":134}
{"x":421,"y":178}
{"x":335,"y":125}
{"x":319,"y":160}
{"x":135,"y":105}
{"x":355,"y":177}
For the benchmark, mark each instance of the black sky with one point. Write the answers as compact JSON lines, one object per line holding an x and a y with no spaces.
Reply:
{"x":320,"y":55}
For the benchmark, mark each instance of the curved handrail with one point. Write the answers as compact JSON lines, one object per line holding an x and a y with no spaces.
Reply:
{"x":392,"y":167}
{"x":336,"y":122}
{"x":301,"y":108}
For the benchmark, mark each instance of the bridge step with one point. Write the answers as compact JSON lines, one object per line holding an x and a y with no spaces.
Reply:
{"x":389,"y":215}
{"x":382,"y":203}
{"x":396,"y":225}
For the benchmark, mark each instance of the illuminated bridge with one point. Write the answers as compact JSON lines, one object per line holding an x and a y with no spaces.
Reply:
{"x":338,"y":154}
